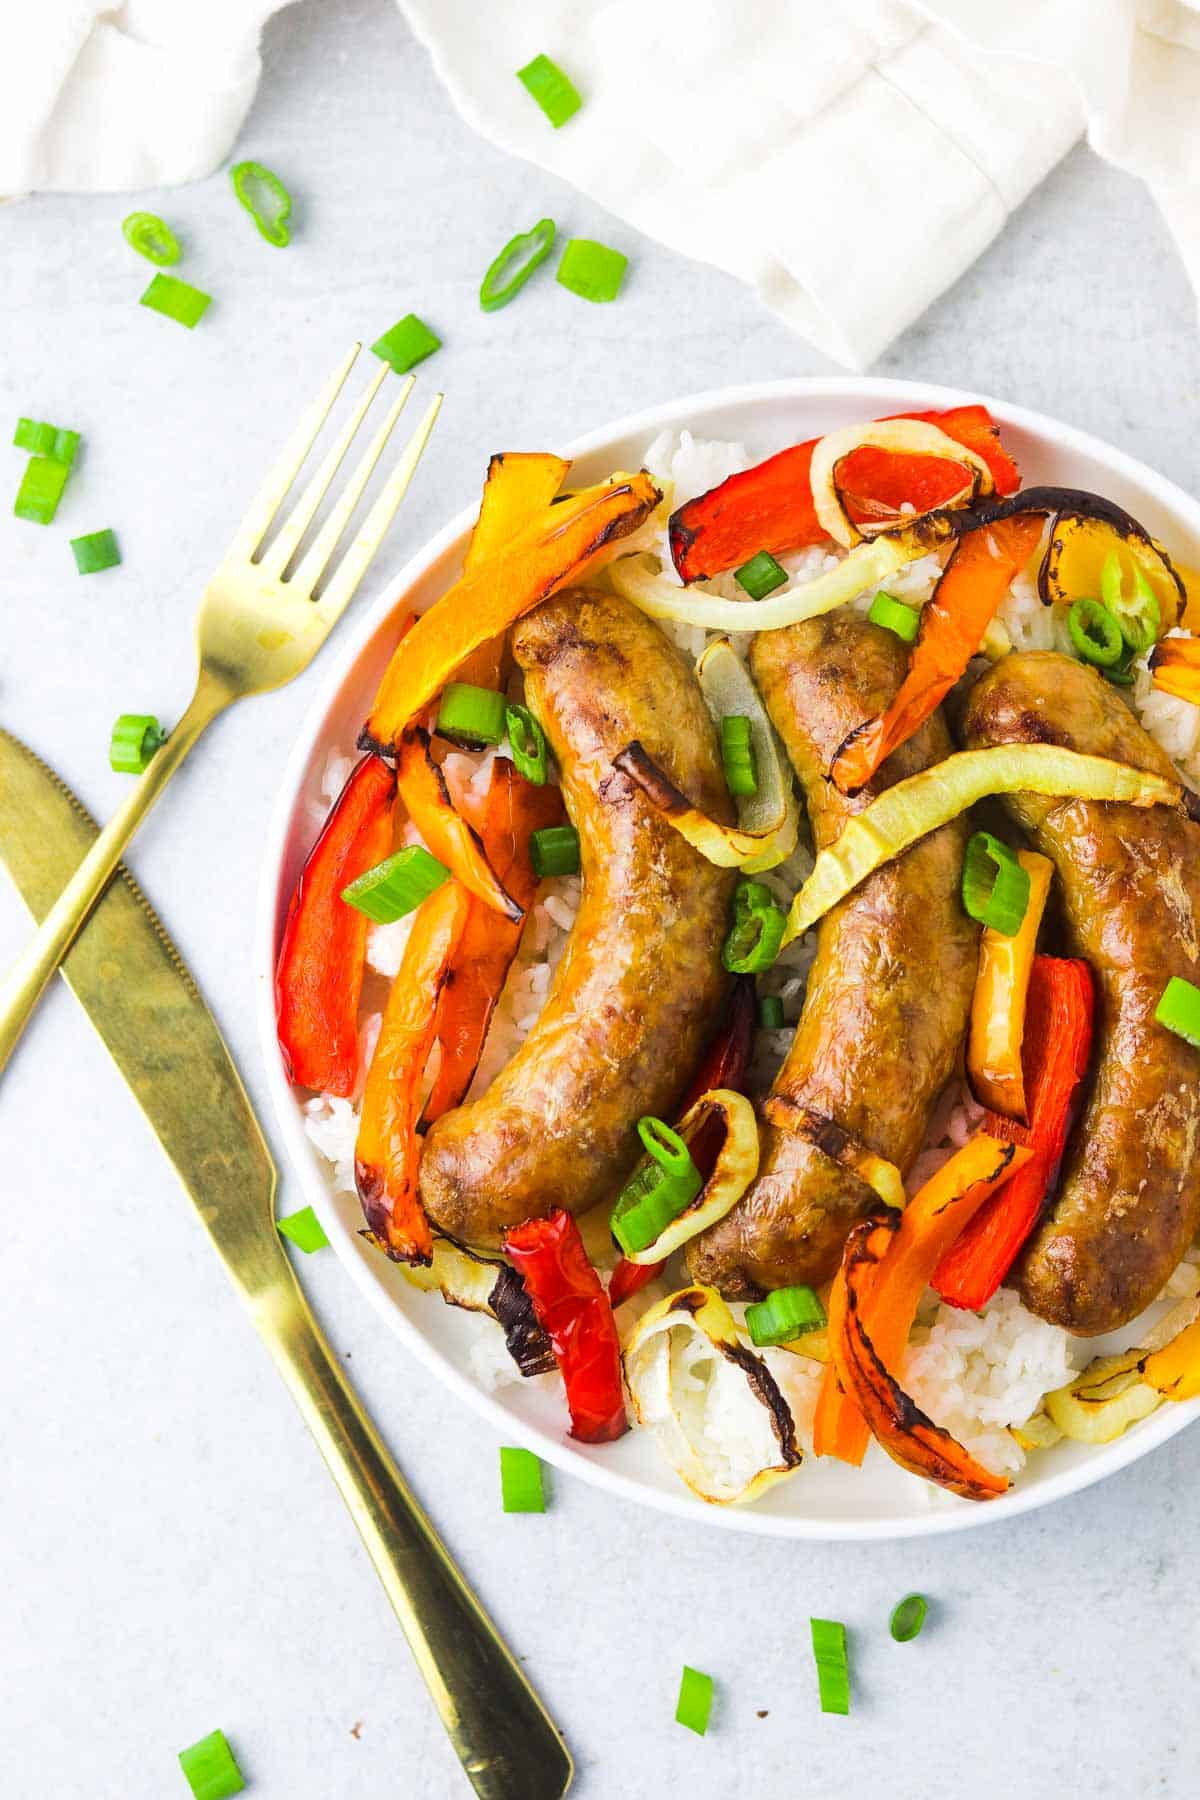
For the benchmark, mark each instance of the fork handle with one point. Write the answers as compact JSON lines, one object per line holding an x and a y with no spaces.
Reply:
{"x":23,"y":984}
{"x":504,"y":1738}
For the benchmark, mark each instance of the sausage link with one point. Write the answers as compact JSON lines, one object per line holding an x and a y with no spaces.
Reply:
{"x":640,"y":984}
{"x":1128,"y":1202}
{"x":889,"y":992}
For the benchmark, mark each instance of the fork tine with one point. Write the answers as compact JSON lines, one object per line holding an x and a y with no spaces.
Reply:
{"x":254,"y":527}
{"x":276,"y":559}
{"x":320,"y":553}
{"x":356,"y":560}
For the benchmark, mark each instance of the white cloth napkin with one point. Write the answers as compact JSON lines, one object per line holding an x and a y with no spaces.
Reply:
{"x":849,"y":158}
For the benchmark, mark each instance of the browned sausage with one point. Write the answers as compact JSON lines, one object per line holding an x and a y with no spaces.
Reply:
{"x":640,"y":984}
{"x":890,"y":990}
{"x":1128,"y":1203}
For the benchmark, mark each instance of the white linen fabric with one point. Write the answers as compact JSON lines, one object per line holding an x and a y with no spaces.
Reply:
{"x":848,"y":158}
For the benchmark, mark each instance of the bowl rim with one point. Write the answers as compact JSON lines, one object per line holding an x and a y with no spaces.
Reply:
{"x":878,"y":395}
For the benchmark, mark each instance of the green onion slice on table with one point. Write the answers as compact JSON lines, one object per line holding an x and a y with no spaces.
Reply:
{"x":397,"y":885}
{"x":694,"y":1706}
{"x":1179,"y":1009}
{"x":591,"y":270}
{"x":527,"y":741}
{"x":657,"y":1192}
{"x":408,"y":343}
{"x":995,"y":888}
{"x":265,"y":198}
{"x":554,"y":850}
{"x":510,"y":270}
{"x":43,"y":439}
{"x":521,"y":1489}
{"x":895,"y":616}
{"x":554,"y":91}
{"x":757,"y":931}
{"x":94,"y":551}
{"x":303,"y":1229}
{"x":1095,"y":633}
{"x":135,"y":739}
{"x":41,"y":489}
{"x":760,"y":576}
{"x":786,"y":1313}
{"x":908,"y":1616}
{"x":210,"y":1768}
{"x":152,"y":238}
{"x":470,"y":716}
{"x":833,"y":1667}
{"x":176,"y":300}
{"x":737,"y":755}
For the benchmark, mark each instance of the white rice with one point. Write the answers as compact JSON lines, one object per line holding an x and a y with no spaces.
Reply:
{"x":975,"y":1374}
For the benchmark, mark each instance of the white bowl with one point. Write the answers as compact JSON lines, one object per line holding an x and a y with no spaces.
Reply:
{"x":825,"y":1500}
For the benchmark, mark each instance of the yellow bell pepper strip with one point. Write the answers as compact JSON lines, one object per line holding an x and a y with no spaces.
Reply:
{"x":519,"y":486}
{"x":998,"y":1003}
{"x":953,"y":622}
{"x":387,"y":1152}
{"x":558,"y":546}
{"x":913,"y":808}
{"x":1175,"y":667}
{"x":423,"y":793}
{"x":918,"y":1237}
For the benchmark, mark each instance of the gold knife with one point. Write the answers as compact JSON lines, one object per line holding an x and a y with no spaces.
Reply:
{"x":131,"y":982}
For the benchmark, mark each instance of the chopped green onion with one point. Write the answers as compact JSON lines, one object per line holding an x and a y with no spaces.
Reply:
{"x":470,"y":716}
{"x":1095,"y":634}
{"x":304,"y":1229}
{"x":265,"y":198}
{"x":211,"y":1769}
{"x":667,"y":1148}
{"x":46,"y":440}
{"x":908,"y":1616}
{"x":895,"y":616}
{"x":737,"y":755}
{"x":770,"y":1013}
{"x":135,"y":739}
{"x":760,"y":576}
{"x":1140,"y":619}
{"x":397,"y":885}
{"x":95,"y":551}
{"x":409,"y":342}
{"x":833,"y":1668}
{"x":1179,"y":1009}
{"x":658,"y":1191}
{"x":757,"y":930}
{"x":152,"y":238}
{"x":527,"y":742}
{"x":41,"y":489}
{"x":554,"y":92}
{"x":694,"y":1705}
{"x":783,"y":1315}
{"x":995,"y":888}
{"x":177,"y":300}
{"x":508,"y":272}
{"x":520,"y":1481}
{"x":591,"y":270}
{"x":554,"y":851}
{"x":1121,"y":673}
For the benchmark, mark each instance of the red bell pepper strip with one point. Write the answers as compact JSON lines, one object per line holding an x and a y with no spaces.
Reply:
{"x":1054,"y":1055}
{"x":573,"y":1309}
{"x":770,"y":507}
{"x":387,"y":1151}
{"x":723,"y":1065}
{"x":319,"y":975}
{"x":513,"y":810}
{"x":972,"y":585}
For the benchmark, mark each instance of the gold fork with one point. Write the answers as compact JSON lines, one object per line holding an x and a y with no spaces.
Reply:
{"x":258,"y":626}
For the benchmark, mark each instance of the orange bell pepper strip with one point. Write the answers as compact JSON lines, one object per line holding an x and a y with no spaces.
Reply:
{"x":558,"y":546}
{"x":1175,"y":665}
{"x":973,"y":583}
{"x":770,"y":507}
{"x":928,"y":1225}
{"x":1174,"y":1371}
{"x":513,"y":810}
{"x":1057,"y":1048}
{"x":519,"y":485}
{"x":423,"y":793}
{"x":1001,"y":993}
{"x":387,"y":1151}
{"x":322,"y":956}
{"x":898,"y":1425}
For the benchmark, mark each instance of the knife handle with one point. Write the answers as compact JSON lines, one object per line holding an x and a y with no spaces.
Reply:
{"x":508,"y":1745}
{"x":24,"y":982}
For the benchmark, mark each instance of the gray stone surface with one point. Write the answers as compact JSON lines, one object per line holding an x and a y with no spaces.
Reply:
{"x":173,"y":1556}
